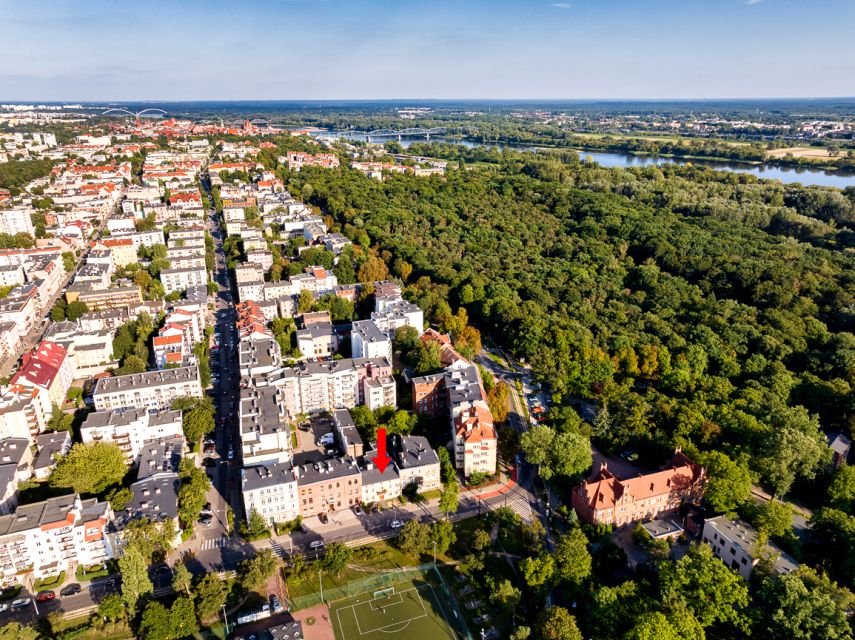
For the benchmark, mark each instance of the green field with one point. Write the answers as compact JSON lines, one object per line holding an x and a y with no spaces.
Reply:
{"x":414,"y":610}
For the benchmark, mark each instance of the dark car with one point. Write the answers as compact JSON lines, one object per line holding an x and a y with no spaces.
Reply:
{"x":44,"y":596}
{"x":323,"y":518}
{"x":275,"y":604}
{"x":206,"y":520}
{"x":70,"y":589}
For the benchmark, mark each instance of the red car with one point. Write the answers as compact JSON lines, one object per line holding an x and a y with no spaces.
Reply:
{"x":44,"y":596}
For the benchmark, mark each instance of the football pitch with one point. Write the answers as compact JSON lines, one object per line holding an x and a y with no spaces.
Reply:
{"x":412,"y":610}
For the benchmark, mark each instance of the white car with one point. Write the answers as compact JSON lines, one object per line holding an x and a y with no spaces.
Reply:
{"x":316,"y":544}
{"x":396,"y":524}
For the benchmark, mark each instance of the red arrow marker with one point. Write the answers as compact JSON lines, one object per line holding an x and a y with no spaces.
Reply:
{"x":381,"y":459}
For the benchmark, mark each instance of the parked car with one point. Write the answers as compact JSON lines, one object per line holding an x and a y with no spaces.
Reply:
{"x":3,"y":607}
{"x":206,"y":520}
{"x":70,"y":589}
{"x":20,"y":603}
{"x":323,"y":518}
{"x":396,"y":524}
{"x":45,"y":596}
{"x":357,"y":510}
{"x":206,"y":509}
{"x":275,"y":605}
{"x":316,"y":544}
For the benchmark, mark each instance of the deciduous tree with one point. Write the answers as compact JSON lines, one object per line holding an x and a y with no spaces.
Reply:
{"x":90,"y":468}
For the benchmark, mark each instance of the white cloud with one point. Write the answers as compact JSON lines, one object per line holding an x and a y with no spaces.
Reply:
{"x":752,"y":2}
{"x":567,"y":5}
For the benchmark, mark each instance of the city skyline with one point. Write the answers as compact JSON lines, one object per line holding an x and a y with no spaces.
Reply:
{"x":328,"y":50}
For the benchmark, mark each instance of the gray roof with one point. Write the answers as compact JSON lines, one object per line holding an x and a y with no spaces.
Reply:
{"x":368,"y":330}
{"x":160,"y":456}
{"x":262,"y":410}
{"x":154,"y":498}
{"x":57,"y":509}
{"x":346,"y":427}
{"x":12,"y":451}
{"x":744,"y":536}
{"x":49,"y":444}
{"x":148,"y":379}
{"x":311,"y":472}
{"x":286,"y":631}
{"x":316,"y":331}
{"x":463,"y":385}
{"x":126,"y":417}
{"x":262,"y":476}
{"x":261,"y":352}
{"x":413,"y":451}
{"x":371,"y":474}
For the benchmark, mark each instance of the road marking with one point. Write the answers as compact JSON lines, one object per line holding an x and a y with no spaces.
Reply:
{"x":214,"y":543}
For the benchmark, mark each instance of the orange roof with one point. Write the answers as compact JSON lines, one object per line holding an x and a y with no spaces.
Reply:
{"x":606,"y":489}
{"x":161,"y":341}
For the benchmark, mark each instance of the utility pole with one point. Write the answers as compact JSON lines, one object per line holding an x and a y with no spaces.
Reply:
{"x":321,"y":583}
{"x":226,"y":619}
{"x":434,"y":554}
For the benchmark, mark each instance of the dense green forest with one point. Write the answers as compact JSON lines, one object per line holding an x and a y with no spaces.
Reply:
{"x":16,"y":174}
{"x":703,"y":309}
{"x":691,"y":302}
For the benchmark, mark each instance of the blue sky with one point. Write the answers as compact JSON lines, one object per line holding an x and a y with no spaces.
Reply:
{"x":376,"y":49}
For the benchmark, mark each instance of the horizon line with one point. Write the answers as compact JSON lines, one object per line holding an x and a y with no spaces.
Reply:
{"x":532,"y":100}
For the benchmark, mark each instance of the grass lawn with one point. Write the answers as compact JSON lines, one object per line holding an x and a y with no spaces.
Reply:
{"x":372,"y":558}
{"x":83,"y":576}
{"x":49,"y":583}
{"x":416,"y":610}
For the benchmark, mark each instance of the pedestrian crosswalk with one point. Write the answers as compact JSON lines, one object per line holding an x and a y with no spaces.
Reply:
{"x":277,"y":549}
{"x":214,"y":543}
{"x":519,"y":502}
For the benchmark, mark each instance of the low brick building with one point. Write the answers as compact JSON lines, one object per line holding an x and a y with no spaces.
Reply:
{"x":607,"y":499}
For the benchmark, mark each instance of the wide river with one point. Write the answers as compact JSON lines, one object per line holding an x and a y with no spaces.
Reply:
{"x":787,"y":175}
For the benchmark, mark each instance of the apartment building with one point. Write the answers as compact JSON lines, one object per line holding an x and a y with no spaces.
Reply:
{"x":131,"y":428}
{"x":90,"y":352}
{"x":459,"y":392}
{"x":181,"y":279}
{"x":391,"y":315}
{"x":14,"y":221}
{"x":347,"y":436}
{"x":379,"y":392}
{"x":47,"y":367}
{"x":43,"y":539}
{"x":24,"y":412}
{"x":105,"y":320}
{"x":258,"y":356}
{"x":368,"y":341}
{"x":142,"y":238}
{"x":736,"y":542}
{"x":311,"y":387}
{"x":317,"y":341}
{"x":123,"y":250}
{"x":98,"y":299}
{"x":264,"y":430}
{"x":271,"y":491}
{"x":50,"y":446}
{"x":328,"y":485}
{"x":16,"y":466}
{"x":605,"y":498}
{"x":152,"y":390}
{"x":417,"y":462}
{"x":161,"y":457}
{"x":11,"y":275}
{"x":377,"y":487}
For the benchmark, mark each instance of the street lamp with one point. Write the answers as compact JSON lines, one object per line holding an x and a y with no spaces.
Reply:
{"x":434,"y":554}
{"x":226,"y":619}
{"x":321,"y":583}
